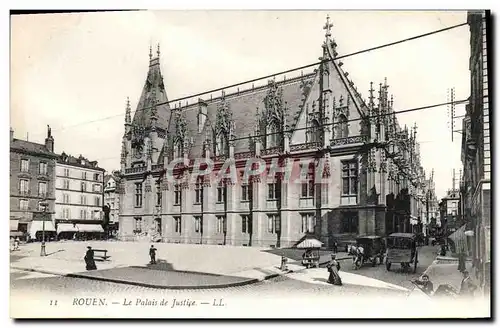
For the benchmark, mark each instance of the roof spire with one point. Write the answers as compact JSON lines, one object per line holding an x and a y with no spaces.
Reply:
{"x":371,"y":97}
{"x":150,"y":52}
{"x":328,"y":27}
{"x":127,"y":112}
{"x":158,"y":50}
{"x":386,"y":93}
{"x":257,"y":123}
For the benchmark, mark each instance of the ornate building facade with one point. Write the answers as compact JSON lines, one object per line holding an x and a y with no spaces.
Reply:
{"x":370,"y":164}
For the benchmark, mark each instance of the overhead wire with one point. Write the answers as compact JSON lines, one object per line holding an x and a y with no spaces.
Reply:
{"x":347,"y":121}
{"x":390,"y":44}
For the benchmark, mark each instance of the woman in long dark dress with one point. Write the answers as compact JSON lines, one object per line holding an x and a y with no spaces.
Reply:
{"x":333,"y":267}
{"x":89,"y":259}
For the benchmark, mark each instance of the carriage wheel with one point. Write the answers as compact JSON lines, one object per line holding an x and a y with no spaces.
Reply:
{"x":388,"y":265}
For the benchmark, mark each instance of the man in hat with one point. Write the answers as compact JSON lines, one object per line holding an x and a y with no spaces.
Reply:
{"x":425,"y":284}
{"x":467,"y":287}
{"x":152,"y":254}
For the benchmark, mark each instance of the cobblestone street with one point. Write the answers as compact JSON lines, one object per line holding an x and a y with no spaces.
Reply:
{"x":308,"y":281}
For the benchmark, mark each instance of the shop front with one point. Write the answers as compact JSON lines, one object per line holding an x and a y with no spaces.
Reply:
{"x":40,"y":229}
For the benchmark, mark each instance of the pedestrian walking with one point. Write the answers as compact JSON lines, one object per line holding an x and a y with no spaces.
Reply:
{"x":152,"y":254}
{"x":333,"y":268}
{"x":335,"y":247}
{"x":89,"y":259}
{"x":16,"y":244}
{"x":467,"y":287}
{"x":461,"y":261}
{"x":443,"y":250}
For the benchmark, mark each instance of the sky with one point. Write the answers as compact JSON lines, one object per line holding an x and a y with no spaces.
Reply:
{"x":74,"y":72}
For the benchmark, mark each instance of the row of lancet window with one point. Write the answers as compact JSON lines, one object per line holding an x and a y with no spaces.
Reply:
{"x":273,"y":136}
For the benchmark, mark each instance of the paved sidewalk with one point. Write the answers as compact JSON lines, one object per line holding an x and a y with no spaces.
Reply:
{"x":183,"y":257}
{"x":217,"y":266}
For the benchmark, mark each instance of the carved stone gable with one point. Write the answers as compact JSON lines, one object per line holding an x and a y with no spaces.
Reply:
{"x":224,"y":117}
{"x":274,"y":104}
{"x":180,"y":129}
{"x":138,"y":135}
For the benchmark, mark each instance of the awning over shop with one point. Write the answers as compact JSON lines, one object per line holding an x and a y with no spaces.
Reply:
{"x":66,"y":227}
{"x":90,"y":228}
{"x":14,"y":224}
{"x":16,"y":233}
{"x":310,"y":243}
{"x":38,"y":226}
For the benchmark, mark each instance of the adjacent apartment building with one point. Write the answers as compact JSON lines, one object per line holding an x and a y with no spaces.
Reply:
{"x":476,"y":151}
{"x":79,"y":195}
{"x":374,"y":178}
{"x":450,"y":212}
{"x":32,"y":181}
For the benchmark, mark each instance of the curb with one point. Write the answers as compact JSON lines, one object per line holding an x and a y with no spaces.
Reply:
{"x":141,"y":284}
{"x":39,"y":271}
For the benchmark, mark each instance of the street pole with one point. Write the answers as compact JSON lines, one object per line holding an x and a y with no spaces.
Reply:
{"x":42,"y":248}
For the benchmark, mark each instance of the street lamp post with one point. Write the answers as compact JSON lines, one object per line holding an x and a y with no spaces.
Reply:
{"x":44,"y":204}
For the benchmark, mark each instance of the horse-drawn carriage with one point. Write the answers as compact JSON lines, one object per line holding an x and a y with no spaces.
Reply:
{"x":373,"y":251}
{"x":402,"y":248}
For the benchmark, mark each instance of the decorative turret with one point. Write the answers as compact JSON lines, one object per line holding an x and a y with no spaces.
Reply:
{"x":123,"y":156}
{"x":128,"y":119}
{"x":257,"y":138}
{"x":372,"y":113}
{"x":371,"y":103}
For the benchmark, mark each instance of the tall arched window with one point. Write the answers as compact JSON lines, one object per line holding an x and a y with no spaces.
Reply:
{"x":342,"y":131}
{"x":315,"y":132}
{"x":220,"y":148}
{"x":272,"y":136}
{"x":178,"y":150}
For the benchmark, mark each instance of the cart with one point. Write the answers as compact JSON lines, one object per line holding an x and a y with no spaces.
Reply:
{"x":311,"y":256}
{"x":402,"y":248}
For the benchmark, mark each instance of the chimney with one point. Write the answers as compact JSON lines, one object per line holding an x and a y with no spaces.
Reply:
{"x":11,"y":135}
{"x":49,"y":141}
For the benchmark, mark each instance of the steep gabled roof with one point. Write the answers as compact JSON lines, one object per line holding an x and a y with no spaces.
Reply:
{"x":243,"y":106}
{"x":154,"y":88}
{"x":353,"y":93}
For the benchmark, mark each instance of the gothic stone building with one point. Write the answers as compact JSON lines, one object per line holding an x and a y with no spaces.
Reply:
{"x":311,"y":117}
